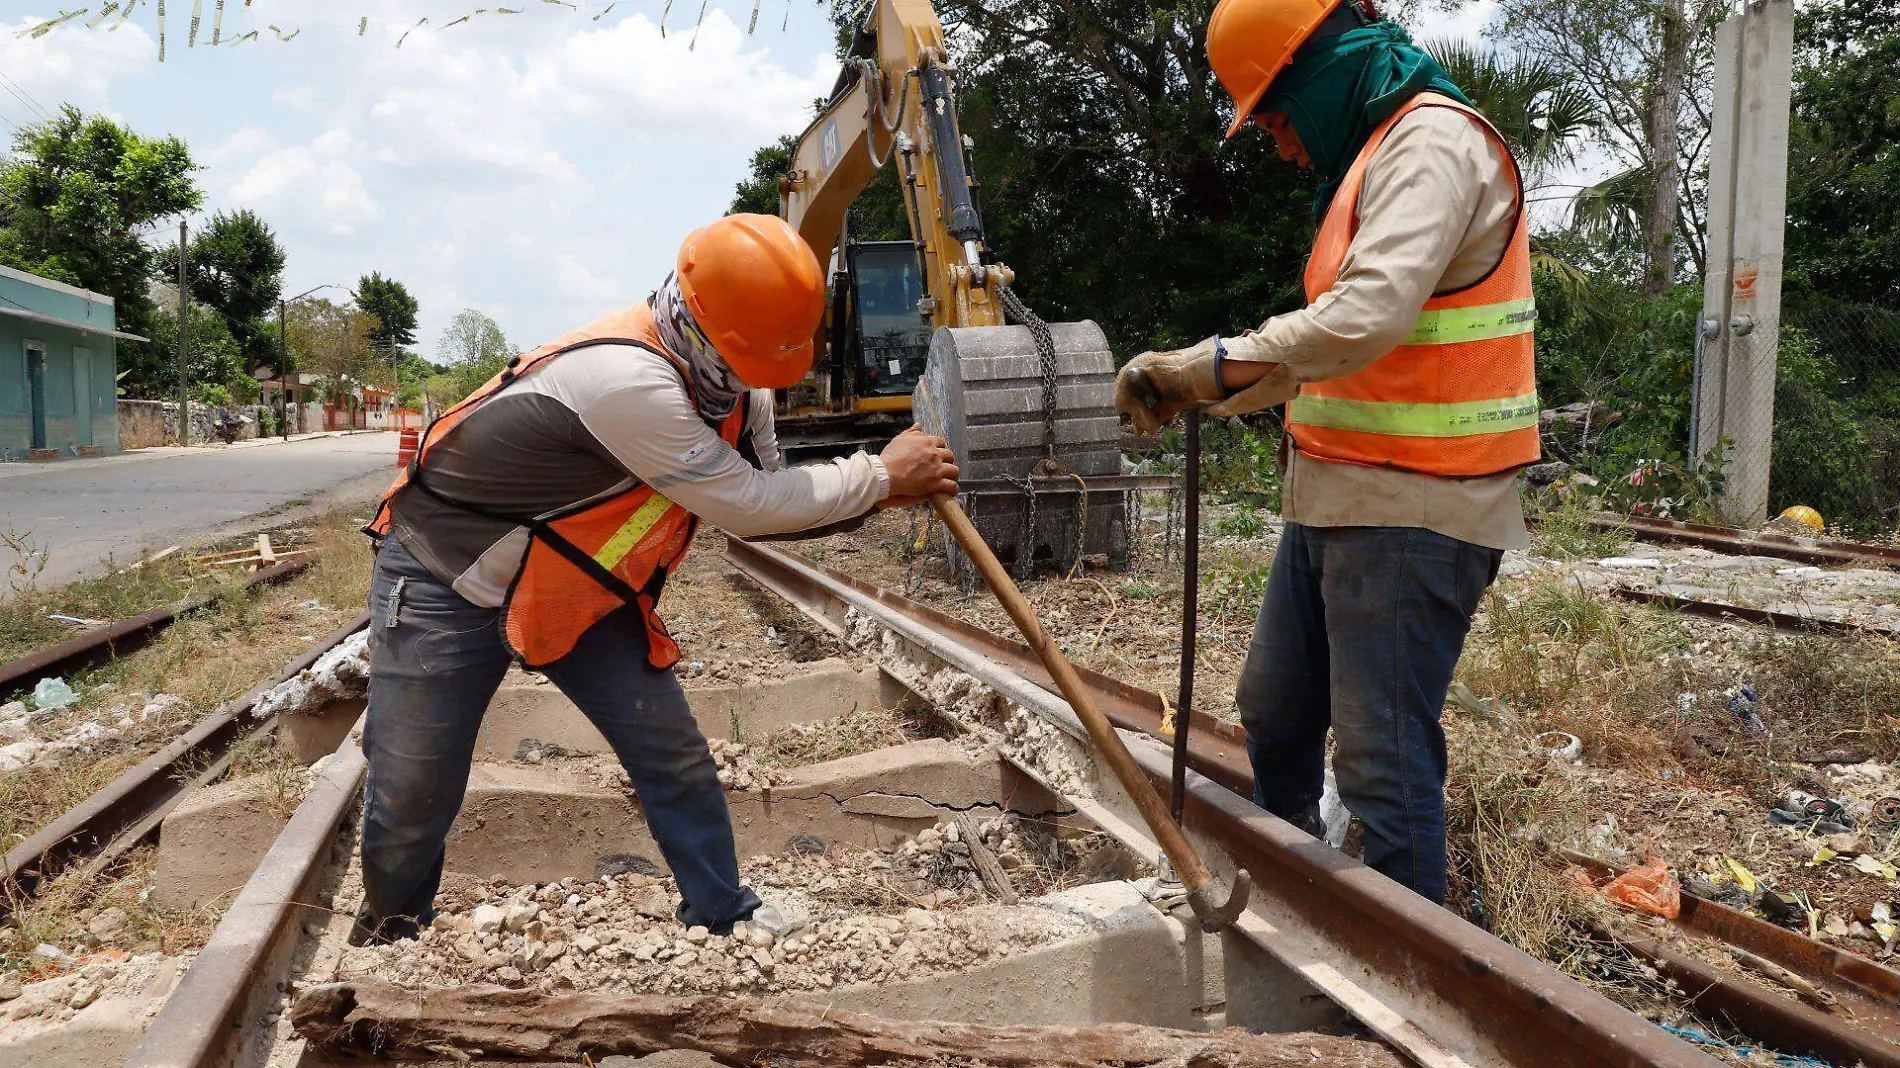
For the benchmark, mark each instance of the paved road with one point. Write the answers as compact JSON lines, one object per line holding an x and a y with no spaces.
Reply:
{"x":84,"y":512}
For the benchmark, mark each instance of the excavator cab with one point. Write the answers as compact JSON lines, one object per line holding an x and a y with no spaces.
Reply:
{"x":892,"y":342}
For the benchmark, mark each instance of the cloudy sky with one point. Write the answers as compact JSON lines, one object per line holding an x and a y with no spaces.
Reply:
{"x":540,"y":167}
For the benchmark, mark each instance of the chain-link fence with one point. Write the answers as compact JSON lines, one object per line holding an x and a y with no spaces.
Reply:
{"x":1836,"y":443}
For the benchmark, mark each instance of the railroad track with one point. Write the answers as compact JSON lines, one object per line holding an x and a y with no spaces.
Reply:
{"x":110,"y":641}
{"x":1439,"y":991}
{"x":128,"y":810}
{"x":1755,"y":543}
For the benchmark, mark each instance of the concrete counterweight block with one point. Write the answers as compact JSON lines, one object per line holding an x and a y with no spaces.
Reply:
{"x":985,"y":388}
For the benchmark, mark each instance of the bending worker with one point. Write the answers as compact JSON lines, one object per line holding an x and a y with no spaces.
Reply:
{"x":1411,"y":404}
{"x":539,"y":523}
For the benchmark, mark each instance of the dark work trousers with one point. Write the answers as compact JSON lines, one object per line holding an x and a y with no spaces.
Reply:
{"x":435,"y":661}
{"x":1360,"y":631}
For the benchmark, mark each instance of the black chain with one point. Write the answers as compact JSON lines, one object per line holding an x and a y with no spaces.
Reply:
{"x":1016,"y":310}
{"x":1026,"y":540}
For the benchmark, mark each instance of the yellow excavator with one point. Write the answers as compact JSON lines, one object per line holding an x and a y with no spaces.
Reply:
{"x":916,"y":330}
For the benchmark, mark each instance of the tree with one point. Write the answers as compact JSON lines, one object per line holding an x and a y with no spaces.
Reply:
{"x":77,"y":197}
{"x":473,"y":340}
{"x":332,"y":341}
{"x":395,"y":310}
{"x":237,"y":266}
{"x":758,"y":193}
{"x":1647,"y":67}
{"x":213,"y":361}
{"x":474,"y":350}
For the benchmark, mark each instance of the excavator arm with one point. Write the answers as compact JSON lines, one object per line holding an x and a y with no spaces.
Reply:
{"x":1029,"y":408}
{"x":894,"y":102}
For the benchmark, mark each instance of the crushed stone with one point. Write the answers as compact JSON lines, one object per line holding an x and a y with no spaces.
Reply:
{"x":849,"y":922}
{"x":107,"y":976}
{"x":340,"y":674}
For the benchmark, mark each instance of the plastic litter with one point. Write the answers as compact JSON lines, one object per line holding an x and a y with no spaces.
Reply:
{"x":53,"y":694}
{"x":1816,"y":815}
{"x":1781,"y":1060}
{"x":1744,"y":704}
{"x":1567,"y":748}
{"x":1650,"y":887}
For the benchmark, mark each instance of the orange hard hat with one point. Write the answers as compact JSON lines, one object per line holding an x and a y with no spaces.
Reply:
{"x":757,"y":293}
{"x":1249,"y":42}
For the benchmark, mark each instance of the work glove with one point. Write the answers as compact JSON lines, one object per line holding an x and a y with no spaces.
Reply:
{"x":1155,"y":386}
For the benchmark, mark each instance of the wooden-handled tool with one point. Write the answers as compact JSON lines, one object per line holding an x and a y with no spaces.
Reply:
{"x":1204,"y":894}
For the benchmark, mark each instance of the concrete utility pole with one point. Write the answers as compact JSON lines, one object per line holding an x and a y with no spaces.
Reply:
{"x":1741,"y":297}
{"x":184,"y":332}
{"x":283,"y":364}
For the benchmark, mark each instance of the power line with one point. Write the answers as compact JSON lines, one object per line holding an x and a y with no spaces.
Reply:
{"x":22,"y":95}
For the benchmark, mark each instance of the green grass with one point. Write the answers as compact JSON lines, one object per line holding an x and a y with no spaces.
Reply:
{"x":1567,"y":532}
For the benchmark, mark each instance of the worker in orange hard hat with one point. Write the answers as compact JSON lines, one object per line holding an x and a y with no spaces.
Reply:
{"x":538,"y":523}
{"x":1411,"y":394}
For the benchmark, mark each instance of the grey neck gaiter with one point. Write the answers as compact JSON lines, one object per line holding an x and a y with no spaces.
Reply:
{"x":715,"y":388}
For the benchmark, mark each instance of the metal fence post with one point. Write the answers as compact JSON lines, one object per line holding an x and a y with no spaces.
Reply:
{"x":1741,"y":303}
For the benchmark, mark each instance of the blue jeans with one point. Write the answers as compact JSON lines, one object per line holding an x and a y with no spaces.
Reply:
{"x":1360,"y":631}
{"x":435,"y":661}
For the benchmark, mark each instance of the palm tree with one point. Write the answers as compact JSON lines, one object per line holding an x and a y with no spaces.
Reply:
{"x":1547,"y":122}
{"x":1545,"y":119}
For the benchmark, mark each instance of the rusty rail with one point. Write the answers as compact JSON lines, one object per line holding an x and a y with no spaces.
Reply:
{"x":103,"y":643}
{"x":1438,"y":989}
{"x":1768,"y":617}
{"x":207,"y":1021}
{"x":1731,"y":540}
{"x":1867,"y":1029}
{"x":144,"y":793}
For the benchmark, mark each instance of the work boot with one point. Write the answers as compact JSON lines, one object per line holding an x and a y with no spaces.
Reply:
{"x":369,"y":931}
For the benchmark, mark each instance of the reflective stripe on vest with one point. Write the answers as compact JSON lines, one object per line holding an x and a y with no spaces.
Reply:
{"x":630,"y":533}
{"x":1460,"y":420}
{"x":1453,"y":326}
{"x":1457,"y":398}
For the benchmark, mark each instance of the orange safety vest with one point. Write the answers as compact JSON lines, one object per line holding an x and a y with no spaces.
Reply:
{"x":592,"y":558}
{"x":1458,"y":399}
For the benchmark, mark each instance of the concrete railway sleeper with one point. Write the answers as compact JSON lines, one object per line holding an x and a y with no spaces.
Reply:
{"x":1324,"y":943}
{"x":129,"y":809}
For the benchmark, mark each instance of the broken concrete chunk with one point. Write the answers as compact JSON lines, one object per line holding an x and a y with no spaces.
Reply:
{"x":518,"y":915}
{"x":653,"y":903}
{"x":488,"y":919}
{"x":108,"y":923}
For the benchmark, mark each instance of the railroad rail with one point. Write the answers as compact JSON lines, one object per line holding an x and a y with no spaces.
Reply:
{"x":129,"y":808}
{"x":100,"y":644}
{"x":1757,"y":543}
{"x":1769,"y":617}
{"x":1438,"y":990}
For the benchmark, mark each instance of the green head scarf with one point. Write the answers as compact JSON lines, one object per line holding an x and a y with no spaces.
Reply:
{"x":1339,"y":89}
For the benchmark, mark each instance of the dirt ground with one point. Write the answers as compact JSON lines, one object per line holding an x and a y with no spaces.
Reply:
{"x":1689,"y":730}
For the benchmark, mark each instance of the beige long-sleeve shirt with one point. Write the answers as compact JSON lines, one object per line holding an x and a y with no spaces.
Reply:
{"x":1435,"y":213}
{"x":592,"y":424}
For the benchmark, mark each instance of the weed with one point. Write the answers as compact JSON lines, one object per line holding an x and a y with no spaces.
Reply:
{"x":1244,"y":522}
{"x":1233,"y":587}
{"x":1567,"y":532}
{"x":1501,"y":810}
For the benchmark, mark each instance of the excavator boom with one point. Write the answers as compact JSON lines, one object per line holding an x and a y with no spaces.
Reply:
{"x":1028,"y":408}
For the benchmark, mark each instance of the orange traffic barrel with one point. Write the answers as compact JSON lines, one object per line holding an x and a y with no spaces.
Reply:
{"x":405,"y":447}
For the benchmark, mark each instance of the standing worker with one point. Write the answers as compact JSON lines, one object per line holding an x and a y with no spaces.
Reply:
{"x":1411,"y":404}
{"x":539,"y":522}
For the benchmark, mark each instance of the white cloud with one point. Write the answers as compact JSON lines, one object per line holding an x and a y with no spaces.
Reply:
{"x":312,"y":185}
{"x":1467,"y":21}
{"x":670,"y":89}
{"x":72,"y":65}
